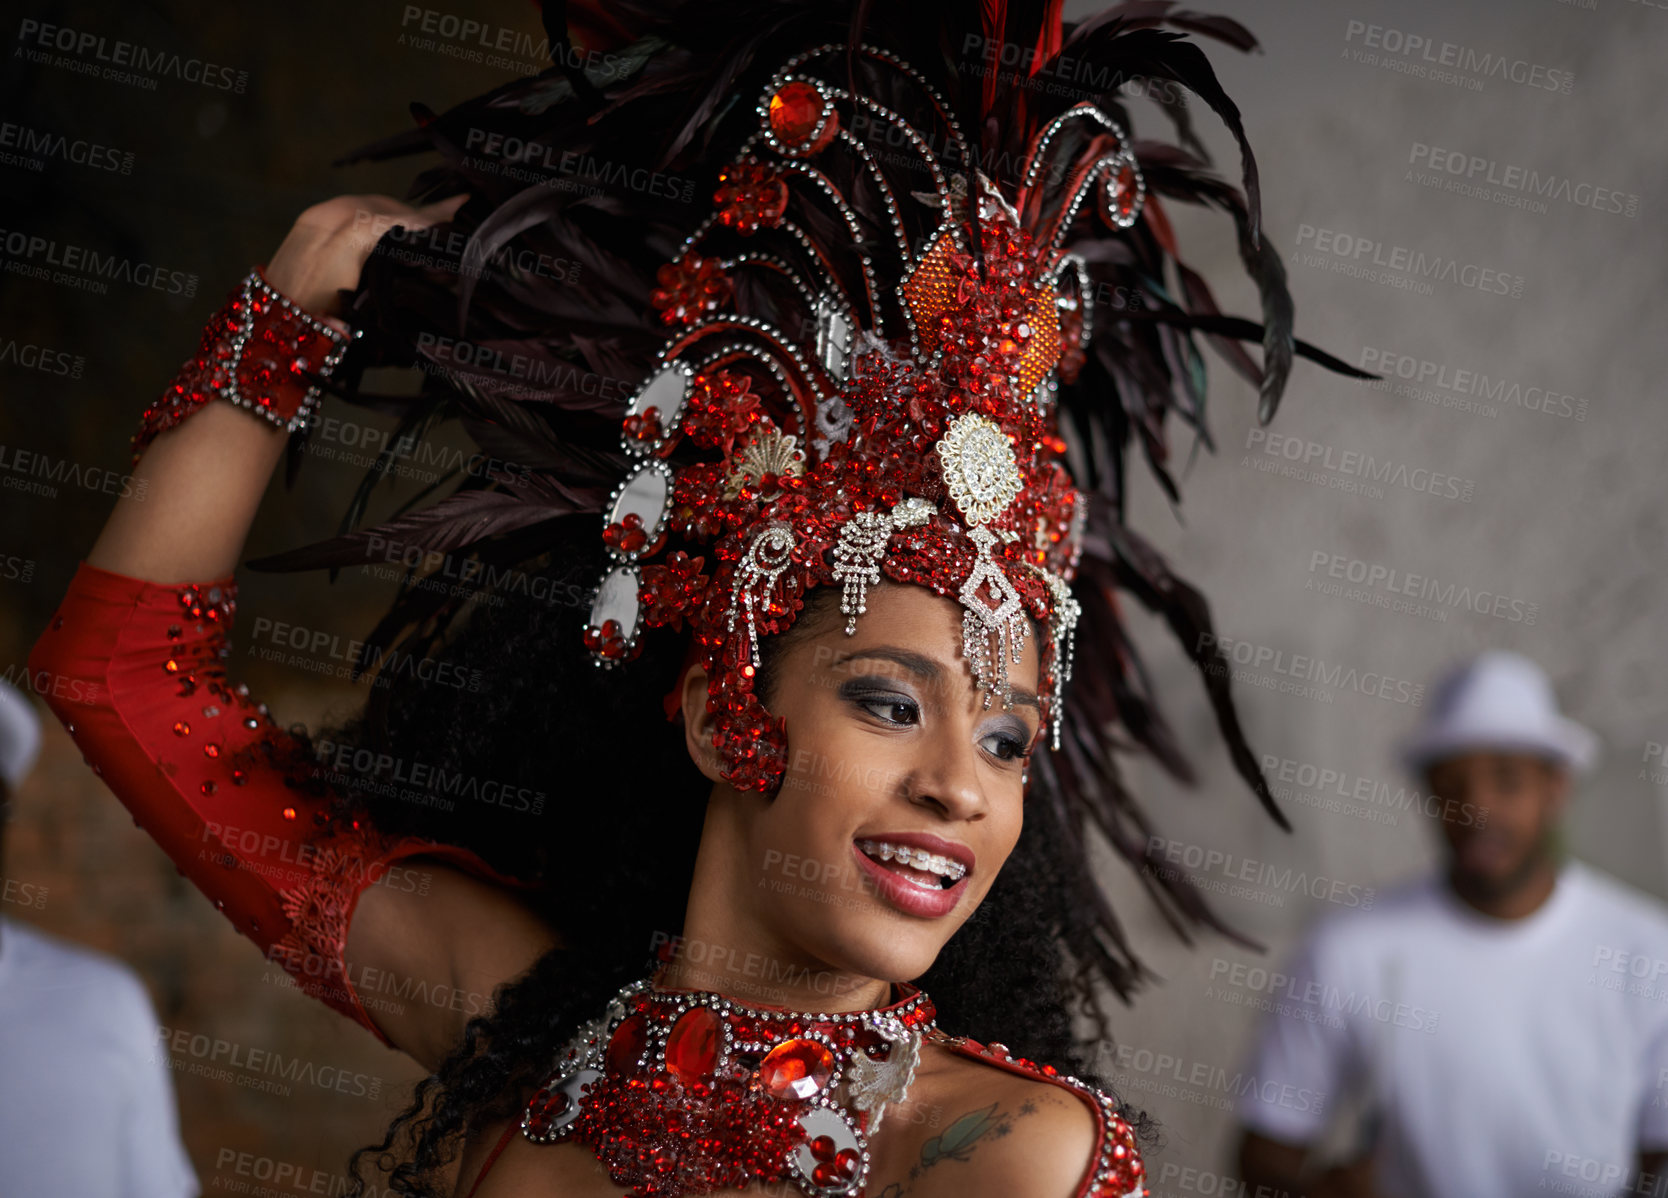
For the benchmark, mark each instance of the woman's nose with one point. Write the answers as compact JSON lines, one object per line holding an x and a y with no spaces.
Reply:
{"x":947,"y":776}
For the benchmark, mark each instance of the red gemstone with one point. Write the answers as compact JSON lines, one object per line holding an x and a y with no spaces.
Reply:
{"x":801,"y":119}
{"x":797,"y":1069}
{"x":845,"y":1162}
{"x":627,"y":1044}
{"x":823,"y":1148}
{"x":1125,"y":190}
{"x":750,"y":196}
{"x":692,"y":1047}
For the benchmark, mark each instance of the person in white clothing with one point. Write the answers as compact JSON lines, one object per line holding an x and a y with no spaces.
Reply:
{"x":87,"y":1105}
{"x":1505,"y":1022}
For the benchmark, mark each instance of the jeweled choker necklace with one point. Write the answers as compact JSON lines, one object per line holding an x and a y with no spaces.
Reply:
{"x":689,"y":1092}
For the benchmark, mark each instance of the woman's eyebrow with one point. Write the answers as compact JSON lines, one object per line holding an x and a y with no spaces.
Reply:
{"x":919,"y":664}
{"x":923,"y":667}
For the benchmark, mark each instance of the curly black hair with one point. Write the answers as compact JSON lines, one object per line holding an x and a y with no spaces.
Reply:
{"x":615,"y":849}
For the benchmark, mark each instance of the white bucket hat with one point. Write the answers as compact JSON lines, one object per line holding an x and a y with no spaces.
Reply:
{"x":1498,"y":700}
{"x":20,"y":734}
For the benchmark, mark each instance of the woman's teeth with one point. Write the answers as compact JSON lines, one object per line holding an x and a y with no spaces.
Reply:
{"x":949,"y":872}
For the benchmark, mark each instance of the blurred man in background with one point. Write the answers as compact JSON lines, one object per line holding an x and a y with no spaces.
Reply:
{"x":87,"y":1105}
{"x":1506,"y":1020}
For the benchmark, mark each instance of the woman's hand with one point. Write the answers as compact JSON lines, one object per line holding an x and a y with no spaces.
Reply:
{"x":198,"y":485}
{"x":327,"y":247}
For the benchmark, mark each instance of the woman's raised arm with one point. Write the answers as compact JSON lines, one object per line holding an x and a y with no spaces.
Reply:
{"x":133,"y":663}
{"x":203,"y":479}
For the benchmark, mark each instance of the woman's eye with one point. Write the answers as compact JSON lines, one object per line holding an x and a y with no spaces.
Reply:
{"x":893,"y":711}
{"x":1004,"y":746}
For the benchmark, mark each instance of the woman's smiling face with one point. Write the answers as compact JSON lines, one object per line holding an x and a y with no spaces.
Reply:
{"x":901,"y":800}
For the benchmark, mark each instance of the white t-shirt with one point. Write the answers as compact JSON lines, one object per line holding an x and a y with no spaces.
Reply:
{"x":86,"y":1103}
{"x":1502,"y":1058}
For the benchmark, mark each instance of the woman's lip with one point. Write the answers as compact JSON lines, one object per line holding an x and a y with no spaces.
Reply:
{"x":959,"y":853}
{"x":906,"y":896}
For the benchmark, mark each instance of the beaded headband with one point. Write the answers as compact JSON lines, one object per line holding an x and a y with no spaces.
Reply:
{"x":905,"y":433}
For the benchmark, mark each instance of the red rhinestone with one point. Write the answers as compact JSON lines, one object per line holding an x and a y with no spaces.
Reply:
{"x":1123,"y":187}
{"x":797,"y":1069}
{"x":692,"y":1047}
{"x":823,"y":1148}
{"x":627,"y":1044}
{"x":801,"y":119}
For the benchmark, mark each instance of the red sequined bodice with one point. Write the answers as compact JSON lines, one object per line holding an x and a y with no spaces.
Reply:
{"x":687,"y":1092}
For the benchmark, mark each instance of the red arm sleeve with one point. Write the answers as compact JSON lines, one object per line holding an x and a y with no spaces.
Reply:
{"x":136,"y":671}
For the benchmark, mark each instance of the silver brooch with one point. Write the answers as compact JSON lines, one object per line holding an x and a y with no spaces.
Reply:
{"x":756,"y":577}
{"x":862,"y":547}
{"x":982,"y":476}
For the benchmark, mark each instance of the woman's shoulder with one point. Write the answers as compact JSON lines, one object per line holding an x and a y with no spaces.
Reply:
{"x":1031,"y":1129}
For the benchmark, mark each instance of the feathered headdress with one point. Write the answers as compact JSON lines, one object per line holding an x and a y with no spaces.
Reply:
{"x":898,"y":294}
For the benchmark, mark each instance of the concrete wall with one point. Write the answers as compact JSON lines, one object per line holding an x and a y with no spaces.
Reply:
{"x":1561,"y":503}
